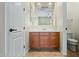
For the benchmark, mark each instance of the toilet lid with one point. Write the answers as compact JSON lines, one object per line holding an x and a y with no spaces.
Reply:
{"x":73,"y":40}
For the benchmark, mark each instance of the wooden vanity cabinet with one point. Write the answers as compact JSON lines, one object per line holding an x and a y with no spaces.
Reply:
{"x":34,"y":40}
{"x":44,"y":39}
{"x":54,"y":40}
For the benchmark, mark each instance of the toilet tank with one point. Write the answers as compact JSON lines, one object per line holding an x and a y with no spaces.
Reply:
{"x":69,"y":35}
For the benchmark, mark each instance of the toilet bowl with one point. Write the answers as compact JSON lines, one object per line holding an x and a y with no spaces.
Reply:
{"x":72,"y":41}
{"x":72,"y":44}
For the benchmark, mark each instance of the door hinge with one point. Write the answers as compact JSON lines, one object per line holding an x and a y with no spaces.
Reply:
{"x":66,"y":28}
{"x":24,"y":46}
{"x":24,"y":28}
{"x":24,"y":9}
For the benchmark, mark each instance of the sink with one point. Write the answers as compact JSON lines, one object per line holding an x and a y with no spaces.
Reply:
{"x":43,"y":29}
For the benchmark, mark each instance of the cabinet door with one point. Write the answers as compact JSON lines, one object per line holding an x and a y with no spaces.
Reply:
{"x":44,"y":41}
{"x":54,"y":40}
{"x":34,"y":40}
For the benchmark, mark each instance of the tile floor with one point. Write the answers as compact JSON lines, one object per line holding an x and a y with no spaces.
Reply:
{"x":73,"y":54}
{"x":32,"y":53}
{"x":50,"y":53}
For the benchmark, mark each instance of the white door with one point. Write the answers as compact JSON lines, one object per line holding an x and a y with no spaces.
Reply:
{"x":16,"y":30}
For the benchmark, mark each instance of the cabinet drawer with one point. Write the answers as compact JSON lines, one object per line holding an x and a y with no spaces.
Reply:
{"x":44,"y":33}
{"x":34,"y":37}
{"x":54,"y":37}
{"x":54,"y":33}
{"x":34,"y":33}
{"x":44,"y":37}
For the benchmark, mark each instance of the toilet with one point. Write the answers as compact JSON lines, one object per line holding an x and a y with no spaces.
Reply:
{"x":72,"y":42}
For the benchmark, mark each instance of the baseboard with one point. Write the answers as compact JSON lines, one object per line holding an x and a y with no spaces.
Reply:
{"x":64,"y":54}
{"x":27,"y":50}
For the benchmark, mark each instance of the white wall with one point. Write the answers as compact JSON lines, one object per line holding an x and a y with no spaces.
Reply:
{"x":27,"y":19}
{"x":57,"y":17}
{"x":58,"y":14}
{"x":73,"y":13}
{"x":2,"y":29}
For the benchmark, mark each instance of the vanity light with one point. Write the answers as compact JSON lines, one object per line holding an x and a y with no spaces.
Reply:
{"x":50,"y":3}
{"x":39,"y":4}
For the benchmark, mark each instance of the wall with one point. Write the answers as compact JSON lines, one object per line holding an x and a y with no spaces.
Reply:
{"x":2,"y":29}
{"x":27,"y":19}
{"x":57,"y":16}
{"x":73,"y":16}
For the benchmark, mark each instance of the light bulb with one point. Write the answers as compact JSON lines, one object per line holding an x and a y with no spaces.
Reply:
{"x":50,"y":3}
{"x":39,"y":4}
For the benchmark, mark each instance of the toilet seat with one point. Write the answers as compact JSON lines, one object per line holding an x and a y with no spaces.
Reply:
{"x":73,"y":40}
{"x":72,"y":44}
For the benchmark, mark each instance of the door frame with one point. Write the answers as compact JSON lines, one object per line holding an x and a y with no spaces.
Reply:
{"x":64,"y":32}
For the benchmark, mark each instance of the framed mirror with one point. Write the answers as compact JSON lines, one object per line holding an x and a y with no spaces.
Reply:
{"x":42,"y":13}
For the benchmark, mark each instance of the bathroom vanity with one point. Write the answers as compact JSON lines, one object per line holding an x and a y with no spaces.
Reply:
{"x":43,"y":32}
{"x":44,"y":39}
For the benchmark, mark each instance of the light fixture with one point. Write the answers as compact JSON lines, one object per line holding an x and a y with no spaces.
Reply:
{"x":39,"y":4}
{"x":50,"y":3}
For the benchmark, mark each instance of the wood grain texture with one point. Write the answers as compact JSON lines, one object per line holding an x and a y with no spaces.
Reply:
{"x":44,"y":39}
{"x":34,"y":40}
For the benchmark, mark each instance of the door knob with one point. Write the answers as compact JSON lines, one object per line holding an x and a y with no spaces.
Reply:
{"x":12,"y":30}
